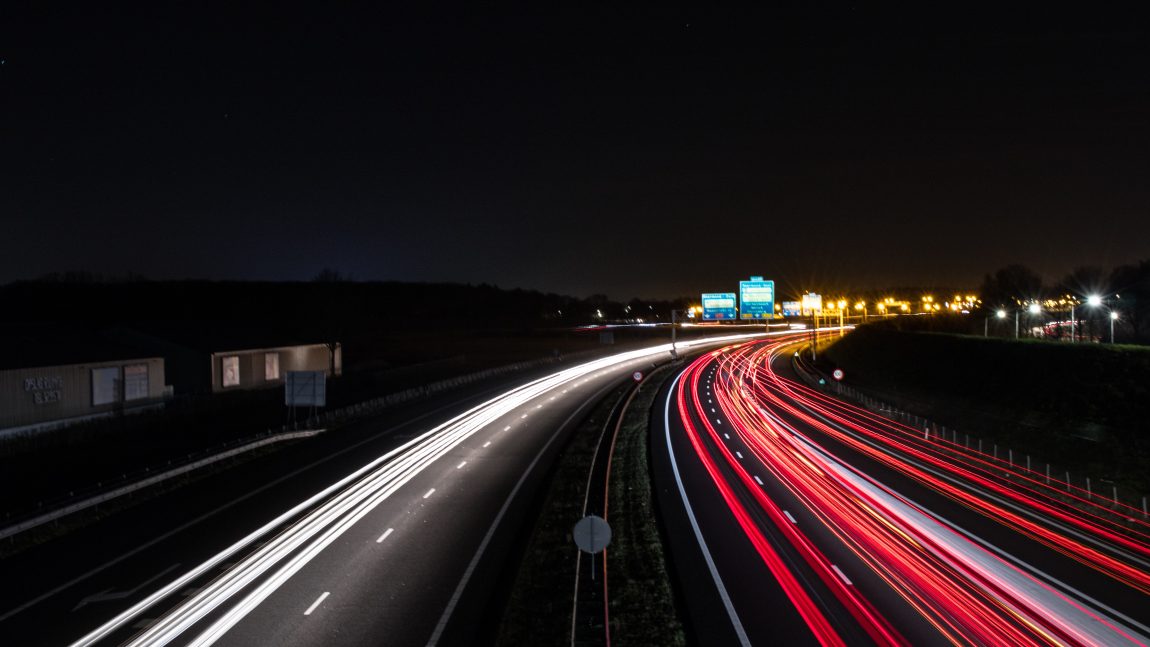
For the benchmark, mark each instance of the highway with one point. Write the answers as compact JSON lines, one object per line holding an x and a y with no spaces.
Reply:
{"x":797,"y":518}
{"x":402,"y":537}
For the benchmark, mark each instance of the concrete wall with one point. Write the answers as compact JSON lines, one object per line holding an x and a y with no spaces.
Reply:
{"x":252,"y":365}
{"x":30,"y":396}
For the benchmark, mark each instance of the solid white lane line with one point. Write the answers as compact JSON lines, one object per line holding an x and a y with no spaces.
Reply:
{"x":790,"y":517}
{"x":384,"y":535}
{"x":487,"y":444}
{"x":345,"y":509}
{"x":447,"y":613}
{"x":460,"y":466}
{"x":316,"y":603}
{"x":429,"y":493}
{"x":840,"y":573}
{"x":723,"y":595}
{"x":758,"y":480}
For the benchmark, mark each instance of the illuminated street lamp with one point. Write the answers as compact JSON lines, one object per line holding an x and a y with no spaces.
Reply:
{"x":1113,"y":318}
{"x":1094,"y":301}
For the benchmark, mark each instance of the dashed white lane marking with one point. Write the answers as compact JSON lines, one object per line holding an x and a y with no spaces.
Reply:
{"x":727,"y":436}
{"x":429,"y":493}
{"x":712,"y":409}
{"x":507,"y":428}
{"x":790,"y":517}
{"x":718,"y":421}
{"x":739,"y":454}
{"x":844,"y":577}
{"x":523,"y":416}
{"x":489,"y":442}
{"x":460,"y":466}
{"x":538,"y":406}
{"x":758,"y":480}
{"x":317,"y":602}
{"x":384,"y":535}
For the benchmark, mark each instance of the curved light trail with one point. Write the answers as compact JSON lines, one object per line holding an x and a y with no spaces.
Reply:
{"x":308,"y":528}
{"x":947,"y":579}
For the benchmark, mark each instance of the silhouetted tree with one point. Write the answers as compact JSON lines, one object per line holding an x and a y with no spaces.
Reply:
{"x":329,"y":275}
{"x":1084,"y":281}
{"x":1131,"y":297}
{"x":1010,"y":285}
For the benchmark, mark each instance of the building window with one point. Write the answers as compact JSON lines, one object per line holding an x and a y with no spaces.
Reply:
{"x":136,"y":382}
{"x":271,"y":366}
{"x":231,"y":370}
{"x":105,"y":385}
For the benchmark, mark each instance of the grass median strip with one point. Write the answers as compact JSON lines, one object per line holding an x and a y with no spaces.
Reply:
{"x":641,"y":599}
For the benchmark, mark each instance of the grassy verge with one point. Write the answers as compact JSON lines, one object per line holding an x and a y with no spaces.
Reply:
{"x":642,"y":602}
{"x":1081,"y":406}
{"x":539,"y":609}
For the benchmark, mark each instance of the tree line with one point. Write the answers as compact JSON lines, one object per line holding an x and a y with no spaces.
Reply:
{"x":1124,"y":290}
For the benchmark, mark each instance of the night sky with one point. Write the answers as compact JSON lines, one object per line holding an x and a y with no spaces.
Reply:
{"x":592,"y":149}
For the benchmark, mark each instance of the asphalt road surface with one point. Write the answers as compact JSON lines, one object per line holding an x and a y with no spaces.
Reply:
{"x":398,"y":531}
{"x":796,"y":518}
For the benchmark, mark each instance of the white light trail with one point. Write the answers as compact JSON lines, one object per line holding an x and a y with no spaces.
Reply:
{"x":340,"y":506}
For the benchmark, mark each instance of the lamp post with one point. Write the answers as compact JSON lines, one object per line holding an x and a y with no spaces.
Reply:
{"x":1033,"y":309}
{"x":1093,"y":301}
{"x":1113,"y":318}
{"x":1001,"y":314}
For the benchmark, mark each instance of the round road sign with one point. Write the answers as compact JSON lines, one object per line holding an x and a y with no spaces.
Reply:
{"x":838,"y":374}
{"x":637,"y":376}
{"x":592,"y":534}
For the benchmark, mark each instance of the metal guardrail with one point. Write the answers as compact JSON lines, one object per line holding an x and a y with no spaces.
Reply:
{"x":346,"y":414}
{"x":816,"y":379}
{"x":96,"y":500}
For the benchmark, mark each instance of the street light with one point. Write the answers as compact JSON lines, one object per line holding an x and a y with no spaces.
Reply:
{"x":1113,"y":318}
{"x":674,"y":325}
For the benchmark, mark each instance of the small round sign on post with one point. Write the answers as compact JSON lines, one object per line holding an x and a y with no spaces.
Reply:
{"x":838,"y":374}
{"x":637,"y":376}
{"x":592,"y":534}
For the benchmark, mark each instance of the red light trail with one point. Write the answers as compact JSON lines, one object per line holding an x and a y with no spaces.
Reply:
{"x":963,"y":590}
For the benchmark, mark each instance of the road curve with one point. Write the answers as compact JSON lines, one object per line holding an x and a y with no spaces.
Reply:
{"x":823,"y":523}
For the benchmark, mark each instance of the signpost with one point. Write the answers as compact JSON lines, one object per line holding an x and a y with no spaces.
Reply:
{"x":637,"y":376}
{"x":592,"y":534}
{"x":719,"y":306}
{"x":305,"y":389}
{"x":838,"y":374}
{"x":756,"y":299}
